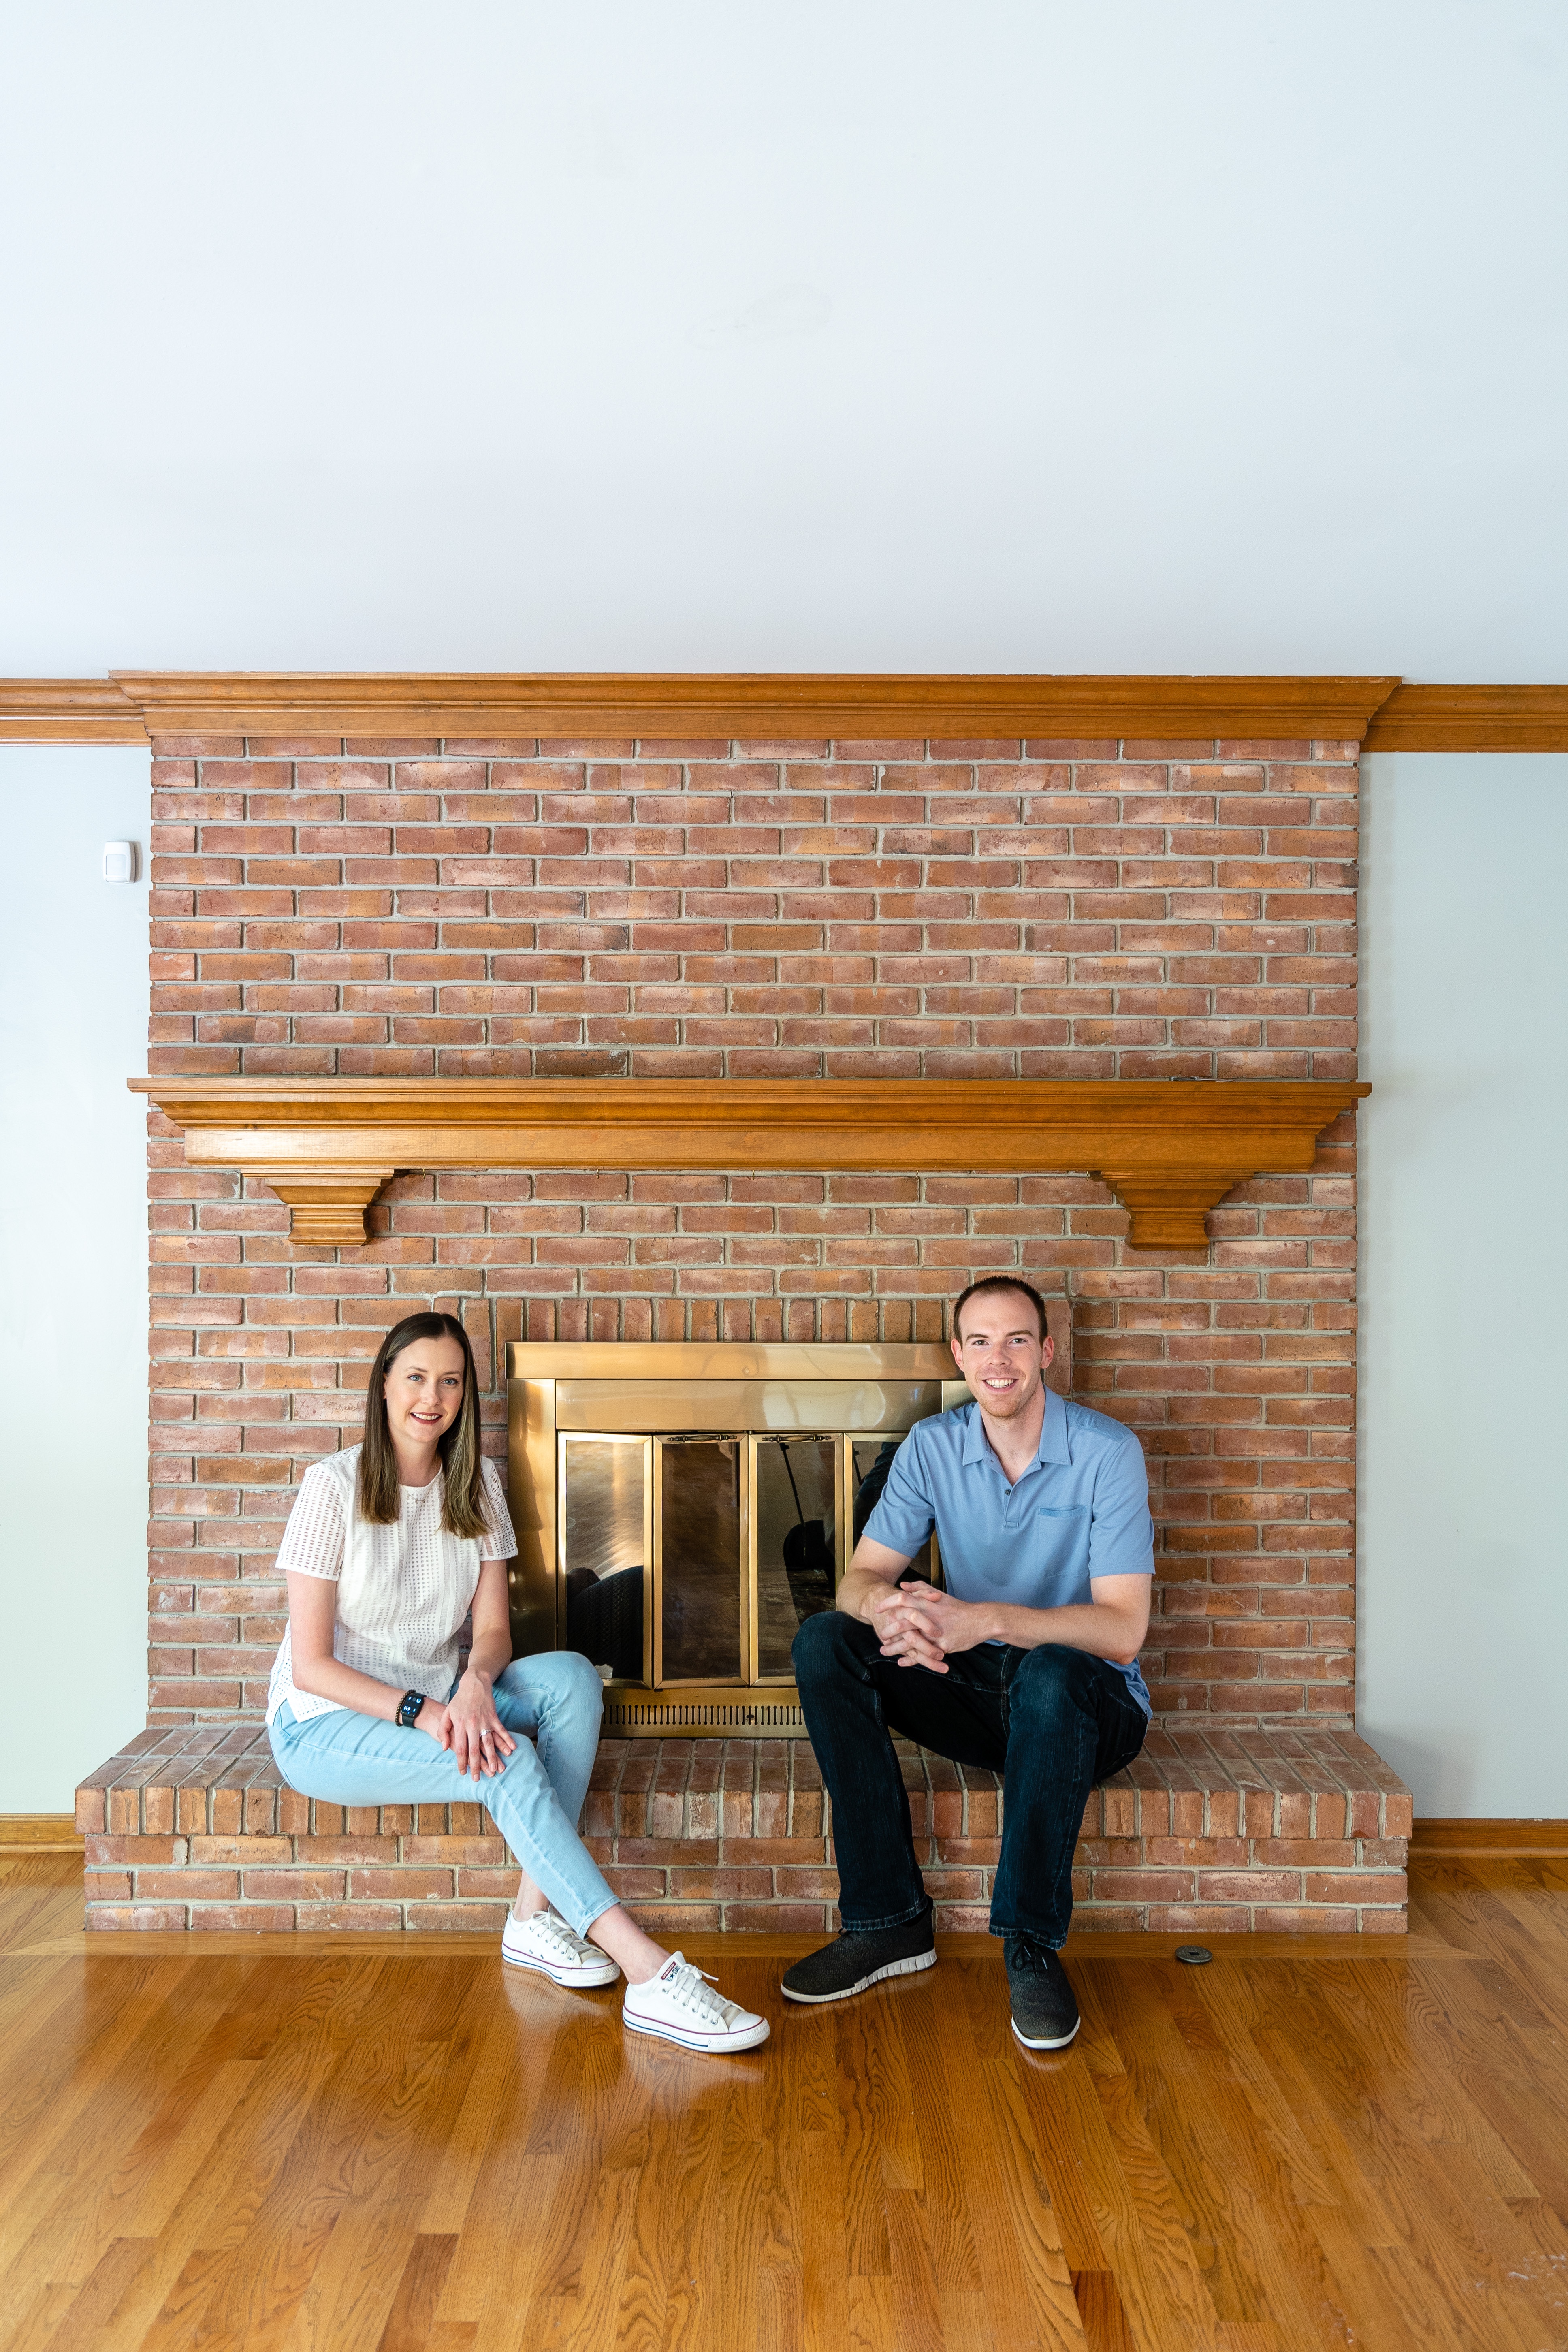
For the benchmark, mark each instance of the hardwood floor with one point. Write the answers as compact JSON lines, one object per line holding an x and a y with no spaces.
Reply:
{"x":222,"y":2143}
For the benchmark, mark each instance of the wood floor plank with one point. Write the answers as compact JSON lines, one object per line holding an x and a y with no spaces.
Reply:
{"x":916,"y":2294}
{"x":163,"y":2165}
{"x":943,"y":2194}
{"x":594,"y":2206}
{"x":1022,"y":2267}
{"x":214,"y":2221}
{"x":674,"y":2259}
{"x":220,"y":2201}
{"x":1146,"y":2249}
{"x":186,"y":2093}
{"x":873,"y":2314}
{"x":1398,"y":2037}
{"x":413,"y":2312}
{"x":69,"y":2064}
{"x":34,"y":2325}
{"x":492,"y":2273}
{"x":589,"y":2313}
{"x":1159,"y":2247}
{"x":1105,"y":2328}
{"x":493,"y":2086}
{"x":781,"y":2309}
{"x":88,"y":2320}
{"x":34,"y":1908}
{"x":345,"y":2303}
{"x":1435,"y":2238}
{"x":1026,"y":2121}
{"x":1417,"y":2322}
{"x":49,"y":2216}
{"x":347,"y":2139}
{"x":1482,"y":2321}
{"x":860,"y":2101}
{"x":1232,"y":2013}
{"x":816,"y":2186}
{"x":1158,"y":2252}
{"x":1255,"y":2254}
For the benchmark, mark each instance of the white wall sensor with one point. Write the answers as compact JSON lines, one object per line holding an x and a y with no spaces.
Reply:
{"x":119,"y":861}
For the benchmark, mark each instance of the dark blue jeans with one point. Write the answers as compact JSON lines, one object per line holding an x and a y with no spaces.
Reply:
{"x":1054,"y":1722}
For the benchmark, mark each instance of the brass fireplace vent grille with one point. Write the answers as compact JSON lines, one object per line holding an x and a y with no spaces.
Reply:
{"x":660,"y":1713}
{"x":681,"y":1509}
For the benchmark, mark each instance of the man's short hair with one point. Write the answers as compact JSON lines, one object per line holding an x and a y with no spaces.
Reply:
{"x":988,"y":1285}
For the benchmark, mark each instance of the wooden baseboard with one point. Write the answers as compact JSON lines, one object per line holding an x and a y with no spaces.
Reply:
{"x":39,"y":1834}
{"x":1521,"y":1840}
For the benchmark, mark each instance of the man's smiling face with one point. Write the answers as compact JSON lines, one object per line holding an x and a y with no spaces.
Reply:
{"x":1001,"y":1353}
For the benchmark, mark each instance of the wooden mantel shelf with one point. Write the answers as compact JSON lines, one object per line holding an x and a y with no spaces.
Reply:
{"x":1169,"y":1150}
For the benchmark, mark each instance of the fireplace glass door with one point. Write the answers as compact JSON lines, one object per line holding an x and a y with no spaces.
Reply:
{"x":794,"y":1481}
{"x":605,"y":1516}
{"x":698,"y":1559}
{"x":690,"y":1558}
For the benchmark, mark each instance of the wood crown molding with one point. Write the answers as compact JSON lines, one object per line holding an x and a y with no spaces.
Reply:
{"x":1169,"y":1150}
{"x":67,"y":710}
{"x":1383,"y":714}
{"x":589,"y":705}
{"x":1471,"y":719}
{"x":571,"y":707}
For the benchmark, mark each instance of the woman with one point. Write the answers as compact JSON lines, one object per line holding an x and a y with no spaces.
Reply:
{"x":389,"y":1548}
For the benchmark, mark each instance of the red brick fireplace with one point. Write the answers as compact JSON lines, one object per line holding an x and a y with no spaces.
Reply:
{"x":715,"y":910}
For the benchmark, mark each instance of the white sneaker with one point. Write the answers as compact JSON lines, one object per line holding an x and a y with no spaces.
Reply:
{"x":545,"y":1941}
{"x":680,"y":2005}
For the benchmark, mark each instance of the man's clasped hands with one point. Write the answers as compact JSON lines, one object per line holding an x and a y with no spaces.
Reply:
{"x":919,"y":1624}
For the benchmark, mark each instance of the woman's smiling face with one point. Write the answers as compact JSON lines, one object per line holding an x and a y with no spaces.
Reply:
{"x":424,"y":1389}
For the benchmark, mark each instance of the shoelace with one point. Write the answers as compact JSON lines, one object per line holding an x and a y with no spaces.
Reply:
{"x":557,"y":1935}
{"x":689,"y":1989}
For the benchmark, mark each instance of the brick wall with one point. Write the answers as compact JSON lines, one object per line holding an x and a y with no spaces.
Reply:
{"x":980,"y":909}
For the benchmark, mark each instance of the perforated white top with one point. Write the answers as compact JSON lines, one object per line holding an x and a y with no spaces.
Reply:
{"x":404,"y":1591}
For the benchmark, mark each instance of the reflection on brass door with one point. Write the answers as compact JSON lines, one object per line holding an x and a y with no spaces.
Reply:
{"x":604,"y":1514}
{"x":794,"y":1558}
{"x":699,"y":1565}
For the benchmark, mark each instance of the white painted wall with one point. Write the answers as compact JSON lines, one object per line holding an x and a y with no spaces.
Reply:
{"x":1020,"y":335}
{"x":73,"y":1269}
{"x":1464,"y":1338}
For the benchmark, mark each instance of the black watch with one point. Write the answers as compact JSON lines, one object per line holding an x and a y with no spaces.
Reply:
{"x":408,"y":1713}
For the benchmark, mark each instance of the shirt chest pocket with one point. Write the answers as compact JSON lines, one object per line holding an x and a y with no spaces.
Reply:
{"x":1061,"y":1547}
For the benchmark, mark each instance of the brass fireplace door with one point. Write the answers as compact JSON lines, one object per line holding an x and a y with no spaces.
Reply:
{"x":680,"y":1510}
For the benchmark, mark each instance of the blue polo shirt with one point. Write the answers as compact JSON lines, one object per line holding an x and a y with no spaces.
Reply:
{"x":1081,"y":1510}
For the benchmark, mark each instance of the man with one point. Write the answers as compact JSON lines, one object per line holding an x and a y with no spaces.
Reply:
{"x":1026,"y":1661}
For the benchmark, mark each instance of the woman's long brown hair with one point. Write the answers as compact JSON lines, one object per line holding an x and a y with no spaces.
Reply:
{"x":463,"y":1492}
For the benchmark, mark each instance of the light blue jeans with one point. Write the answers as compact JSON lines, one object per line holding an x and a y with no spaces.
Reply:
{"x":551,"y":1703}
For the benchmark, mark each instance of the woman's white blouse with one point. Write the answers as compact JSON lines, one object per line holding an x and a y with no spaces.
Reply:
{"x":404,"y":1591}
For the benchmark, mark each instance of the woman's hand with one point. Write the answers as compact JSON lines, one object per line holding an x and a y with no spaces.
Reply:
{"x":479,"y":1741}
{"x":434,"y":1720}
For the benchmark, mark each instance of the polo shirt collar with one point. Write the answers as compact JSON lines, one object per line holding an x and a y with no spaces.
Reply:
{"x":1053,"y":1445}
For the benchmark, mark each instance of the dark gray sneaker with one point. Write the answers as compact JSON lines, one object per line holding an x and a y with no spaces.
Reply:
{"x":855,"y":1960}
{"x":1045,"y":2008}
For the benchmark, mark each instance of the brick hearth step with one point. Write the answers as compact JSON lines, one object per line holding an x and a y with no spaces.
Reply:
{"x":1210,"y":1830}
